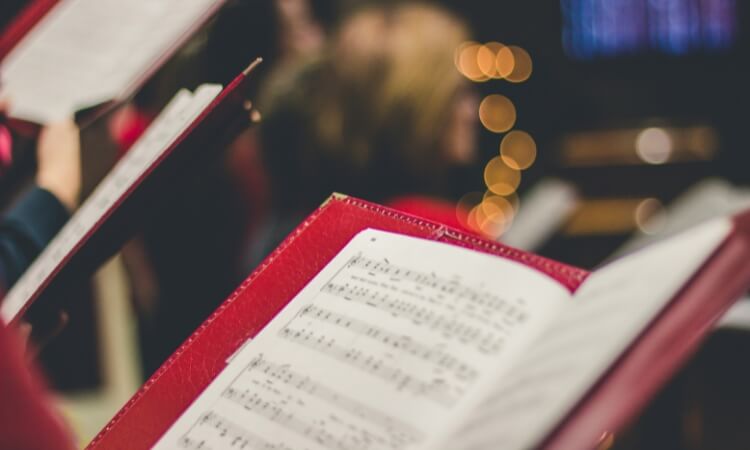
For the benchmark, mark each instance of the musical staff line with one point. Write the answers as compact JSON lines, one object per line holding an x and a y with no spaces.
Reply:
{"x":399,"y":430}
{"x":487,"y":342}
{"x":237,"y":435}
{"x":396,"y":341}
{"x":479,"y":298}
{"x":315,"y":430}
{"x":437,"y":390}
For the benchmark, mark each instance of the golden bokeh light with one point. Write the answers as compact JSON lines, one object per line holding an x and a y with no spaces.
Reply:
{"x":513,"y":199}
{"x":464,"y":207}
{"x":486,"y":59}
{"x":500,"y":178}
{"x":493,"y":216}
{"x":522,"y":65}
{"x":466,"y":60}
{"x":518,"y":150}
{"x":497,"y":113}
{"x":650,"y":216}
{"x":486,"y":225}
{"x":497,"y":204}
{"x":471,"y":220}
{"x":654,"y":145}
{"x":504,"y":62}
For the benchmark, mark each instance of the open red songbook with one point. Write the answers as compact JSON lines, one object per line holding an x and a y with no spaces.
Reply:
{"x":370,"y":329}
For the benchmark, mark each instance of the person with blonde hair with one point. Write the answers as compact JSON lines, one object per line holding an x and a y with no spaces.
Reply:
{"x":382,"y":113}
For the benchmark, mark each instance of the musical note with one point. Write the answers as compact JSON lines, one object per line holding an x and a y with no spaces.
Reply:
{"x":487,"y":341}
{"x":313,"y":430}
{"x":436,"y":390}
{"x":479,"y":298}
{"x":403,"y":343}
{"x":229,"y":433}
{"x":400,"y":430}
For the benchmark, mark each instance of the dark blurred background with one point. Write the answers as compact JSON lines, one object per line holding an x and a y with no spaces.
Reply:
{"x":620,"y":121}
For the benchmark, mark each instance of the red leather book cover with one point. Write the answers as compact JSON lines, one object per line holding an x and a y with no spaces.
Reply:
{"x":151,"y":411}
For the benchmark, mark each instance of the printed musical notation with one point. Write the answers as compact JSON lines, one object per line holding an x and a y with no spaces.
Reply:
{"x":229,"y":433}
{"x":458,"y":292}
{"x":459,"y":312}
{"x":284,"y":374}
{"x":444,"y":307}
{"x":402,"y":342}
{"x":437,"y":390}
{"x":450,"y":327}
{"x":277,"y":393}
{"x":373,"y":355}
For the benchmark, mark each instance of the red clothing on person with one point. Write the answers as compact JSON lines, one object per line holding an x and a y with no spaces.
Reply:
{"x":27,"y":420}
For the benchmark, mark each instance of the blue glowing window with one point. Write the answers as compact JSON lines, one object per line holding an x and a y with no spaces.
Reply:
{"x":601,"y":28}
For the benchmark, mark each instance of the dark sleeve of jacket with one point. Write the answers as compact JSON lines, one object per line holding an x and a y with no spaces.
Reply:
{"x":25,"y":230}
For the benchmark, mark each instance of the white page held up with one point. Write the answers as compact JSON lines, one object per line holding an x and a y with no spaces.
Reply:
{"x":181,"y":111}
{"x":389,"y":344}
{"x":85,"y":52}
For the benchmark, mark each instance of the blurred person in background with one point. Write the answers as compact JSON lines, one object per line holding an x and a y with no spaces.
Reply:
{"x":43,"y":209}
{"x":382,"y":114}
{"x":26,"y":419}
{"x":189,"y":260}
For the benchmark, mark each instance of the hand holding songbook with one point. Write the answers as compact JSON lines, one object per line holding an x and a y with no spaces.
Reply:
{"x":58,"y":162}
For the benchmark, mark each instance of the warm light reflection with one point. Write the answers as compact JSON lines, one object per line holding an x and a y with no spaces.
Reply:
{"x":504,"y":62}
{"x":650,"y":217}
{"x":501,"y":178}
{"x":486,"y":61}
{"x":487,"y":214}
{"x":522,"y":66}
{"x":486,"y":56}
{"x":606,"y":441}
{"x":509,"y":205}
{"x":497,"y":113}
{"x":489,"y":223}
{"x":466,"y":60}
{"x":518,"y":150}
{"x":654,"y":145}
{"x":465,"y":205}
{"x":494,"y":205}
{"x":471,"y":220}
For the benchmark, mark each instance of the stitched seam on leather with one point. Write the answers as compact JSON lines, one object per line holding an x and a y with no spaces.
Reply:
{"x":394,"y":214}
{"x":201,"y":329}
{"x":528,"y":257}
{"x":566,"y":272}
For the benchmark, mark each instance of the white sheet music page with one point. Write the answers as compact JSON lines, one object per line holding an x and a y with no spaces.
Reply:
{"x":86,"y":52}
{"x":609,"y":310}
{"x":181,"y":111}
{"x":393,"y":341}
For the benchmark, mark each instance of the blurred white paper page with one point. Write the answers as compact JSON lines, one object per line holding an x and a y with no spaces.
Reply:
{"x":170,"y":124}
{"x":545,"y":208}
{"x":705,"y":200}
{"x":86,"y":52}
